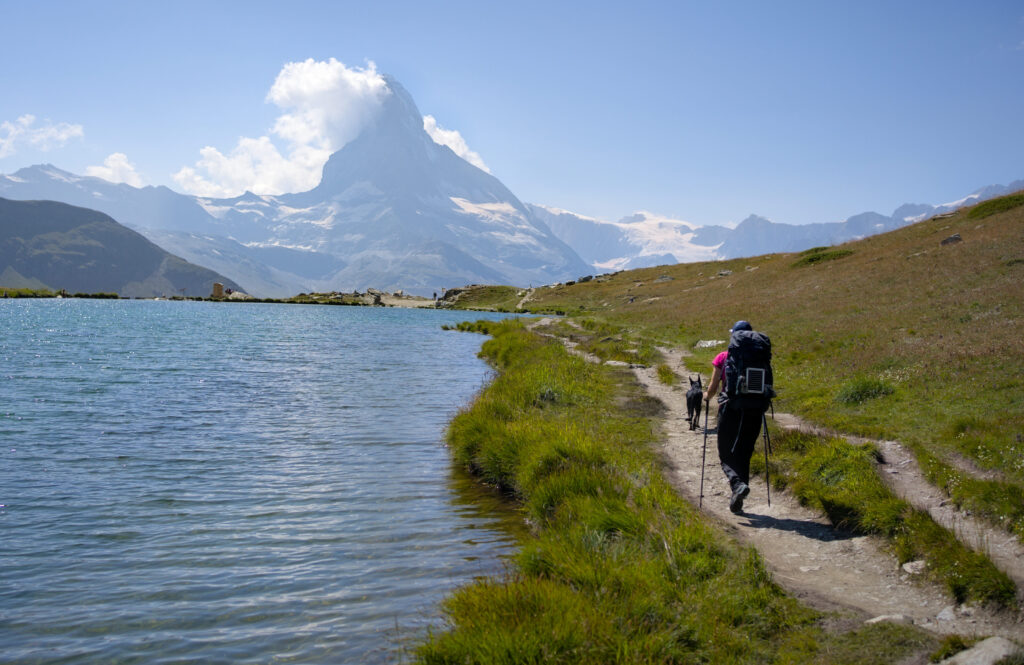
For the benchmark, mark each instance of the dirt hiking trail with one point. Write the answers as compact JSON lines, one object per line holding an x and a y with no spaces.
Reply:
{"x":826,"y":568}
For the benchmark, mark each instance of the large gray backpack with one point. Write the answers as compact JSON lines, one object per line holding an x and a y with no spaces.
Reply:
{"x":748,"y":371}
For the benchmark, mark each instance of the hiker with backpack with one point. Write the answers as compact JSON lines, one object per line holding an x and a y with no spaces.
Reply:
{"x":745,"y":373}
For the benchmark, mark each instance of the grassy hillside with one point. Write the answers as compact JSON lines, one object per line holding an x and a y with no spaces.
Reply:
{"x":898,"y":336}
{"x":481,"y":297}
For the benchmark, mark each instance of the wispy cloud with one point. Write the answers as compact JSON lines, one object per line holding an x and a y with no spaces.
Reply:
{"x":25,"y":132}
{"x":453,"y":139}
{"x":325,"y":105}
{"x":116,"y":168}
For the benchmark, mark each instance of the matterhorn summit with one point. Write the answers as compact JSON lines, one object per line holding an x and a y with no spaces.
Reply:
{"x":408,"y":212}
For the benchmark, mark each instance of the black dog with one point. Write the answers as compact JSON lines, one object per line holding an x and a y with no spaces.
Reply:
{"x":694,"y":397}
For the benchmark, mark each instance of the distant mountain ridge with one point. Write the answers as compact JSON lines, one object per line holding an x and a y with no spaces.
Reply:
{"x":46,"y":244}
{"x":644,"y":240}
{"x":277,"y":246}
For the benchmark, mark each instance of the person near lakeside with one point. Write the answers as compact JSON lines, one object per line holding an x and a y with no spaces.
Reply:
{"x":738,"y":429}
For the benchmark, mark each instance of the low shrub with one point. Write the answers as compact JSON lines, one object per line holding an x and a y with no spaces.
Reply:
{"x":97,"y":296}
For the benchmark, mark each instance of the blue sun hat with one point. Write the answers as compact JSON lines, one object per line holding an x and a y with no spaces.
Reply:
{"x":741,"y":325}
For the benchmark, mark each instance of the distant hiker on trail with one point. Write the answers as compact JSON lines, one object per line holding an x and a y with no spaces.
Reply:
{"x":746,"y":374}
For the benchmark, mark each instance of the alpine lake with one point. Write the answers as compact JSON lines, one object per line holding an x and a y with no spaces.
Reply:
{"x":197,"y":482}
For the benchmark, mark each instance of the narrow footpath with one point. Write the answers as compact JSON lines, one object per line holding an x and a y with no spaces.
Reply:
{"x":525,"y":299}
{"x":824,"y":567}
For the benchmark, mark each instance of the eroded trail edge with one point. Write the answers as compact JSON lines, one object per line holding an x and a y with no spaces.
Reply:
{"x":904,"y":476}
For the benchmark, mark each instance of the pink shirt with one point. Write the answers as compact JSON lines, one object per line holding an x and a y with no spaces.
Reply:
{"x":719,"y":364}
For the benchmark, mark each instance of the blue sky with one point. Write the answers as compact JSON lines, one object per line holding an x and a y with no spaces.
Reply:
{"x":702,"y":111}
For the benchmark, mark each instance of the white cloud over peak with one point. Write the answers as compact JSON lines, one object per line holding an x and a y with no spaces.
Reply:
{"x":325,"y":105}
{"x":47,"y":136}
{"x":116,"y":168}
{"x":328,"y":103}
{"x":453,"y":139}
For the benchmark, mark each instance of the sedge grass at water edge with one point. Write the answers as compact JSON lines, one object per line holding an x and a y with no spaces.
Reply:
{"x":619,"y":568}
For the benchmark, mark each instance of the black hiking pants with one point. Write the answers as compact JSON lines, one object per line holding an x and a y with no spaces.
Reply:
{"x":738,"y":430}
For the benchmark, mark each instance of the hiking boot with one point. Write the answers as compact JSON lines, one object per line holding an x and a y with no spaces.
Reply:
{"x":739,"y":493}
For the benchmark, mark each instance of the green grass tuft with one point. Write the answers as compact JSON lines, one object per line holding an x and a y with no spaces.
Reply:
{"x":820,"y":255}
{"x":862,"y":389}
{"x":483,"y":327}
{"x":666,"y":375}
{"x":877,"y":644}
{"x":950,"y":646}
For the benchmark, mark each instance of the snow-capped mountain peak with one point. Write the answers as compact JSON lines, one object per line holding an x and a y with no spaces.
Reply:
{"x":394,"y":209}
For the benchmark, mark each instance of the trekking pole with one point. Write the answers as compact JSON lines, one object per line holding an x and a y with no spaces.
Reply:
{"x":767,"y":447}
{"x":707,"y":407}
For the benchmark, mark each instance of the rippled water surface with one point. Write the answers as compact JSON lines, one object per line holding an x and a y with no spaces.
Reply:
{"x":231,"y":483}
